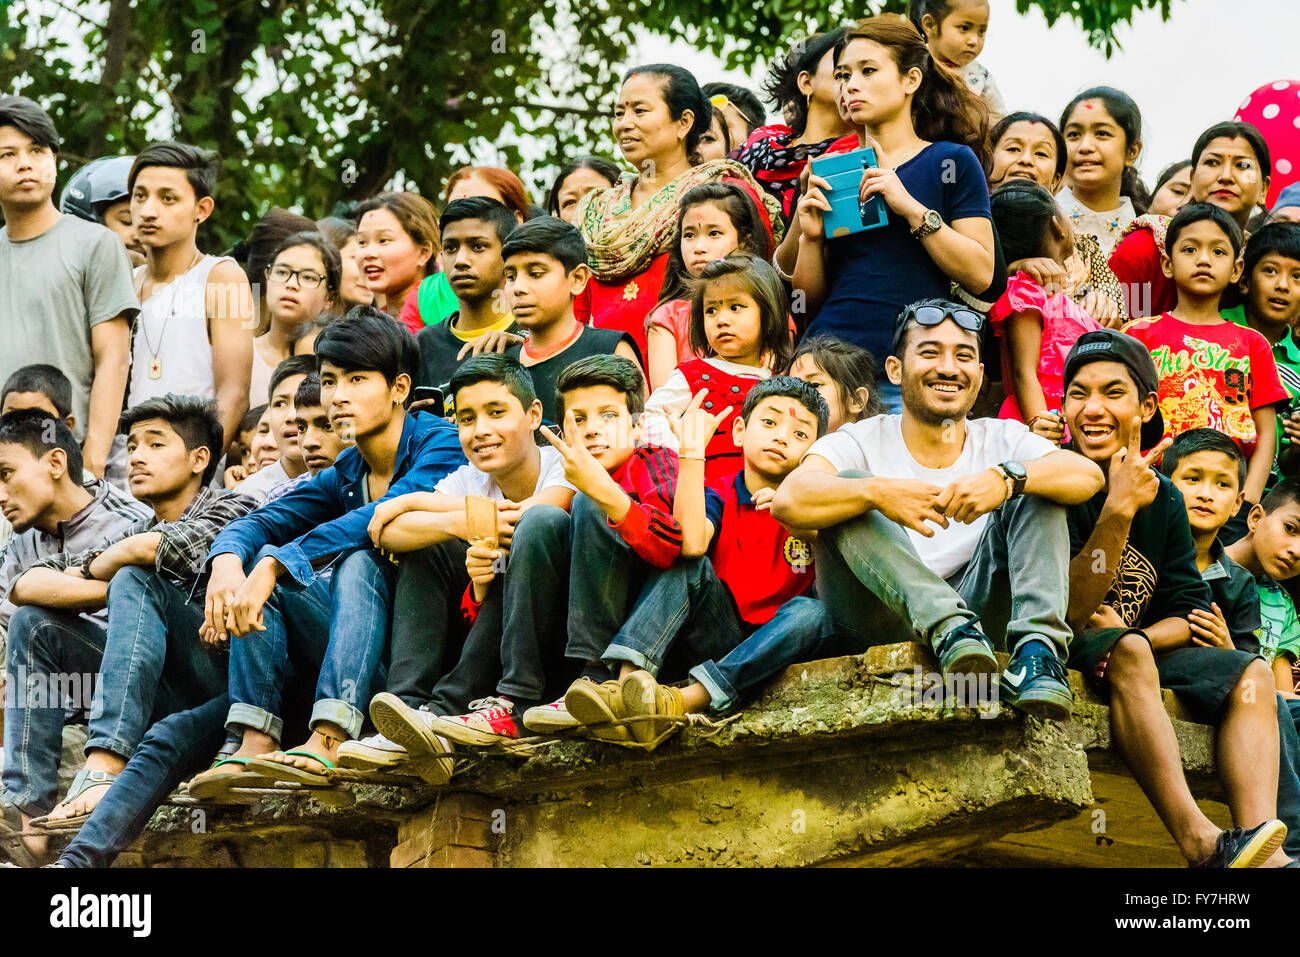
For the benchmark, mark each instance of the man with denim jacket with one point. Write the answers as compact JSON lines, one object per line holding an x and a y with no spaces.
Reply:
{"x":265,"y":590}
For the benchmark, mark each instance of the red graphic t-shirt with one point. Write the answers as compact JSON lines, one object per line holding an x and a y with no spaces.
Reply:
{"x":1211,"y":376}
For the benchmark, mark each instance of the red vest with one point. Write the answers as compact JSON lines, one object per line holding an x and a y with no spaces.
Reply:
{"x":722,"y":456}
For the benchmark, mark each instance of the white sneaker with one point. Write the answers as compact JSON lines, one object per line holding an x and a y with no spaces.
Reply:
{"x":413,"y":730}
{"x":371,"y":752}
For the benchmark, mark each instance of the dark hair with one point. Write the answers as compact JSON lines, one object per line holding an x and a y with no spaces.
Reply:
{"x":201,"y":166}
{"x":917,"y":9}
{"x":942,"y":107}
{"x":46,"y":379}
{"x":494,"y":367}
{"x":1168,"y":173}
{"x":620,"y":374}
{"x":195,"y":420}
{"x":550,"y":236}
{"x":849,"y":368}
{"x":743,"y":99}
{"x":782,"y":83}
{"x":681,"y":92}
{"x":1284,"y":492}
{"x":1195,"y":213}
{"x":413,"y":213}
{"x":248,"y":421}
{"x":308,"y":393}
{"x":367,"y":340}
{"x":751,"y":232}
{"x":510,"y":186}
{"x":488,"y":210}
{"x":1022,"y":213}
{"x":1237,"y":130}
{"x":1124,"y":111}
{"x":257,"y":252}
{"x":788,"y":386}
{"x":761,"y":281}
{"x":39,"y":433}
{"x":1203,"y":440}
{"x":1024,"y":116}
{"x":337,"y":230}
{"x":27,"y":117}
{"x":598,"y":164}
{"x":721,"y":119}
{"x":329,"y":257}
{"x":1276,"y":239}
{"x":292,"y":366}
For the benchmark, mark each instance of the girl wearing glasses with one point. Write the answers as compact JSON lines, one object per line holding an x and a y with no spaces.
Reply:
{"x":302,"y":282}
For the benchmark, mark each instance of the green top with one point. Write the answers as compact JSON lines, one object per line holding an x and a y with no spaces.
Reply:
{"x":436,"y":300}
{"x":1287,"y":356}
{"x":1279,"y":633}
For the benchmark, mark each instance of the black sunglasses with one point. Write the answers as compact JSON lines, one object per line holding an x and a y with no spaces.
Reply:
{"x":924,"y":314}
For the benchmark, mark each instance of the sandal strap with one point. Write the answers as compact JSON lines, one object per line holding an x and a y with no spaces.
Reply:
{"x":86,"y":779}
{"x":303,"y":753}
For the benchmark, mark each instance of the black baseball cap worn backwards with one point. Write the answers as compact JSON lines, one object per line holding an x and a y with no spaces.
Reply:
{"x":1107,"y":345}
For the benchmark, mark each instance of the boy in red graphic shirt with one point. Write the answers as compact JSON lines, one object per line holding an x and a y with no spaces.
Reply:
{"x":1213,"y":373}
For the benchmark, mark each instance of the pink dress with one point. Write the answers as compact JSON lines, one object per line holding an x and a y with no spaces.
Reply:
{"x":675,"y":316}
{"x":1064,"y":321}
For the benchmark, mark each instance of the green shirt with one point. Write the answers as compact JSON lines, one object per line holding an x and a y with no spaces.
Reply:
{"x":436,"y":300}
{"x":1279,"y":633}
{"x":1287,"y":356}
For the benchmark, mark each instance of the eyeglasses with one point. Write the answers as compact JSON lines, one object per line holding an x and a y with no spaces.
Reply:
{"x":929,"y":314}
{"x":307,"y":278}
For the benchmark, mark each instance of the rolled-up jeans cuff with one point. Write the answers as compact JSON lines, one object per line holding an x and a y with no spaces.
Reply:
{"x":721,"y":694}
{"x":617,"y":652}
{"x":243,"y":716}
{"x":336,"y":712}
{"x":20,"y":801}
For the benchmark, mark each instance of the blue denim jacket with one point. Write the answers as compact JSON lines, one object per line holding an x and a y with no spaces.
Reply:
{"x":327,"y":516}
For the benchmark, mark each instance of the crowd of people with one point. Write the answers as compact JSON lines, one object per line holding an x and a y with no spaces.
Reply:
{"x":370,"y":490}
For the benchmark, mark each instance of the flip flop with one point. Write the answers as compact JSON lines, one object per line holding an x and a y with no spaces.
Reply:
{"x":215,"y":788}
{"x":277,"y":773}
{"x":83,"y":782}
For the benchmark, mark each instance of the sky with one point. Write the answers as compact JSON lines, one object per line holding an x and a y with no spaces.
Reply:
{"x":1185,"y":74}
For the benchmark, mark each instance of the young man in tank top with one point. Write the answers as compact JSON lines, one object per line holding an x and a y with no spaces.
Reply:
{"x":194,"y":335}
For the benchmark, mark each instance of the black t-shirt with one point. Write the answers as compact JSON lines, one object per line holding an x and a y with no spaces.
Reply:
{"x":1158,"y":577}
{"x":592,"y":342}
{"x":1235,"y":592}
{"x":438,"y":350}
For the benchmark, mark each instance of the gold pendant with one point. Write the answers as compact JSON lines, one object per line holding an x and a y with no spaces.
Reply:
{"x":155,"y":368}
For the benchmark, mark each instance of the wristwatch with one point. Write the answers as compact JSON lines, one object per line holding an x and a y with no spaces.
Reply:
{"x":1016,"y":475}
{"x":930,"y":223}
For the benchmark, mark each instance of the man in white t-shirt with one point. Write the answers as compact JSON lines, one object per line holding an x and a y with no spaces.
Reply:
{"x":449,"y":579}
{"x":931,"y":521}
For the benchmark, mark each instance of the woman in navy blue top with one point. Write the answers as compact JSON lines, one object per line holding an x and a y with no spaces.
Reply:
{"x":929,"y":135}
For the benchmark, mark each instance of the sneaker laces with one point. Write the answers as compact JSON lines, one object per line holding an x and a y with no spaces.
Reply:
{"x":1037,"y":666}
{"x":492,"y":703}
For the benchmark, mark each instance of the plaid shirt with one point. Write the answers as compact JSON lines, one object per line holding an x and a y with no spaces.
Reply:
{"x":184,"y":543}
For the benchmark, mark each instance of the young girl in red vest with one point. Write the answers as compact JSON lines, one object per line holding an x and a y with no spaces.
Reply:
{"x":740,"y":325}
{"x":714,"y":220}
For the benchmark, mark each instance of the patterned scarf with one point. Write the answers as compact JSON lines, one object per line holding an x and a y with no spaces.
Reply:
{"x":621,"y":241}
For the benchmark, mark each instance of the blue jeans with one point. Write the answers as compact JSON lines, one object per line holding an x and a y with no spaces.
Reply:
{"x":175,"y":748}
{"x":154,"y":664}
{"x":54,"y":659}
{"x":605,"y":577}
{"x":1288,"y":773}
{"x":338,"y":624}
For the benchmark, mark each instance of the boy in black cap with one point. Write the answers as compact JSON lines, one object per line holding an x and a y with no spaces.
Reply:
{"x":1134,"y":583}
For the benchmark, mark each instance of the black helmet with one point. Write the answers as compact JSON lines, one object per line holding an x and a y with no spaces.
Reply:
{"x":95,"y":187}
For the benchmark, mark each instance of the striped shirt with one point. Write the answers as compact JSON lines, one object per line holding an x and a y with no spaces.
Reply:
{"x":105,"y":519}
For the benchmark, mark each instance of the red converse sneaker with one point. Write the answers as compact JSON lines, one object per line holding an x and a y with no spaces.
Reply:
{"x":488,"y":721}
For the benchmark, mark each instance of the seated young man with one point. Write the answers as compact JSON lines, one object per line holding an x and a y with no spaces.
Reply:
{"x":931,"y":522}
{"x":472,"y":230}
{"x":736,"y":603}
{"x":285,"y":379}
{"x":546,"y":271}
{"x":152,"y":661}
{"x":46,"y":388}
{"x":1134,"y":591}
{"x":178,"y":746}
{"x":497,"y":414}
{"x":266,"y":588}
{"x":622,"y":528}
{"x":51,"y":511}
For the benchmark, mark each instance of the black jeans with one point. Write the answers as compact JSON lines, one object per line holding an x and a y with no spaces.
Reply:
{"x":428,"y":628}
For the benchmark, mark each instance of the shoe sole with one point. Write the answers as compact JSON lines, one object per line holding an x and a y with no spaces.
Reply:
{"x":461,"y":734}
{"x":1261,"y":847}
{"x":639,"y":689}
{"x":972,"y":658}
{"x":548,"y":722}
{"x":587,"y":705}
{"x":368,"y":760}
{"x":388,"y":712}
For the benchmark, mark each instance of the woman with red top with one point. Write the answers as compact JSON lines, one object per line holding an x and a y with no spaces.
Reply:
{"x":397,"y":237}
{"x":658,"y":120}
{"x":1230,"y":169}
{"x":805,"y":83}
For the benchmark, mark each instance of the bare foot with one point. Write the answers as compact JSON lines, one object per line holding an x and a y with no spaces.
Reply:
{"x":254,"y":745}
{"x":323,"y":743}
{"x":84,"y":803}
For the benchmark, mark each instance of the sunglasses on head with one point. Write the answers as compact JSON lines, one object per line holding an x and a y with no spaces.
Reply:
{"x":925,"y":314}
{"x":719,"y":100}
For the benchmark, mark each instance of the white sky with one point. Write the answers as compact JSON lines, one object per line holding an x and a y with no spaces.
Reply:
{"x":1185,"y":74}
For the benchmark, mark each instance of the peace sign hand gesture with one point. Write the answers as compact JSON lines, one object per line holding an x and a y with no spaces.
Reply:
{"x":694,"y":428}
{"x":581,"y":469}
{"x":1133,"y":483}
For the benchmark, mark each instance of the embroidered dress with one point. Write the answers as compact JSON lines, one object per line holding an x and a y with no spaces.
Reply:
{"x":1107,"y":226}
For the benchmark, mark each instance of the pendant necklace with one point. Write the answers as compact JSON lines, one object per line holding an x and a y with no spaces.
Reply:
{"x":155,"y":363}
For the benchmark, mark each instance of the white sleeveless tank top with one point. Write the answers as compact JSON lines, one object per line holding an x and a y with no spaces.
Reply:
{"x":172,"y":329}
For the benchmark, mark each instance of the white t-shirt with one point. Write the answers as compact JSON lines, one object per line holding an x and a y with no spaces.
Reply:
{"x":876,"y":445}
{"x":263,"y":480}
{"x":468,"y":480}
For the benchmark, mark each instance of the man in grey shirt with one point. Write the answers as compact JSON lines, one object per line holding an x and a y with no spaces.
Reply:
{"x":66,"y":295}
